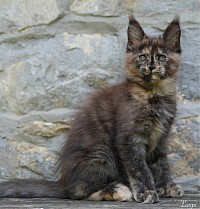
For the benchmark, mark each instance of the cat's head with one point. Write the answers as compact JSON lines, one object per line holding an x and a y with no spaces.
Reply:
{"x":152,"y":59}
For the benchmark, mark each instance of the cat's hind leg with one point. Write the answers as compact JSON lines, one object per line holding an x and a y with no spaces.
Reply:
{"x":113,"y":192}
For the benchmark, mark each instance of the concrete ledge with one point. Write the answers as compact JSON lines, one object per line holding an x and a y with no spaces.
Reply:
{"x":187,"y":201}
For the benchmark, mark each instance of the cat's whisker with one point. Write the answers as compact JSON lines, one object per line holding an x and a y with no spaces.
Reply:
{"x":166,"y":75}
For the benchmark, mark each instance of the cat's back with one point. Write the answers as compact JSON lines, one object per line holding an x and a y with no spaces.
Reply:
{"x":97,"y":116}
{"x":105,"y":100}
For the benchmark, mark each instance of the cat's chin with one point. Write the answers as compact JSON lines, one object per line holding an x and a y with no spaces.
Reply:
{"x":155,"y":78}
{"x":152,"y":78}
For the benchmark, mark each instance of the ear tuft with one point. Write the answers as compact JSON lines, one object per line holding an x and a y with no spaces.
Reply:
{"x":172,"y":34}
{"x":132,"y":19}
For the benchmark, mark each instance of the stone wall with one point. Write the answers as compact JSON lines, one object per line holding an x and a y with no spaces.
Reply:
{"x":54,"y":53}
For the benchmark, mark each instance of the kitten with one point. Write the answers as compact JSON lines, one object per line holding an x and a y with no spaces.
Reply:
{"x":117,"y":146}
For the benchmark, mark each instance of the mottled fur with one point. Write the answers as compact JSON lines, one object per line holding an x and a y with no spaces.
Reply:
{"x":117,"y":146}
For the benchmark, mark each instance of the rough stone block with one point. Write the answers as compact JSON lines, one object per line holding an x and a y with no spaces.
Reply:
{"x":22,"y":14}
{"x":102,"y":7}
{"x":57,"y":72}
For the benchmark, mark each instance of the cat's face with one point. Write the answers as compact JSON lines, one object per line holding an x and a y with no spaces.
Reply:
{"x":156,"y":58}
{"x":152,"y":60}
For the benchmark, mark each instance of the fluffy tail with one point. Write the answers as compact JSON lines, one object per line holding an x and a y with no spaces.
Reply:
{"x":31,"y":189}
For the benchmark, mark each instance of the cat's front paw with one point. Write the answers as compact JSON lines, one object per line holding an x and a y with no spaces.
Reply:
{"x":148,"y":196}
{"x":174,"y":190}
{"x":171,"y":190}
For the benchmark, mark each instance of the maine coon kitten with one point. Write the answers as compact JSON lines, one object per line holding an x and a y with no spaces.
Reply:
{"x":117,"y":147}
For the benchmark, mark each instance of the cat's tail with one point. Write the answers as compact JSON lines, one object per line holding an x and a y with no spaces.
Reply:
{"x":31,"y":189}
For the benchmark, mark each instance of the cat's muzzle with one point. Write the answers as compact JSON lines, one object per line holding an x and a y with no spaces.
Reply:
{"x":153,"y":75}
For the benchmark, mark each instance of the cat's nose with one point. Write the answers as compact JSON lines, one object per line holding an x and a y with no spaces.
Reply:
{"x":151,"y":67}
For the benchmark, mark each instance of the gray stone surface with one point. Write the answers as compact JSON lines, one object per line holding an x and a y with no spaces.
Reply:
{"x":55,"y":72}
{"x":187,"y":201}
{"x":53,"y":56}
{"x":107,"y":8}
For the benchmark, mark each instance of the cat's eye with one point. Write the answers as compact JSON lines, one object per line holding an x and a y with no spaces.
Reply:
{"x":142,"y":58}
{"x":162,"y":58}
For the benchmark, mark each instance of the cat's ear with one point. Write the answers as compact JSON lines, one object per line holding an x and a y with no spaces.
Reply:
{"x":135,"y":34}
{"x":171,"y":36}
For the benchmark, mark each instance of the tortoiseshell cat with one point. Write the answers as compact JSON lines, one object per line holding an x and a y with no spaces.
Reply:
{"x":117,"y":147}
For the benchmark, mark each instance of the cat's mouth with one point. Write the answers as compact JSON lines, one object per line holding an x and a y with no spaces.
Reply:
{"x":154,"y":75}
